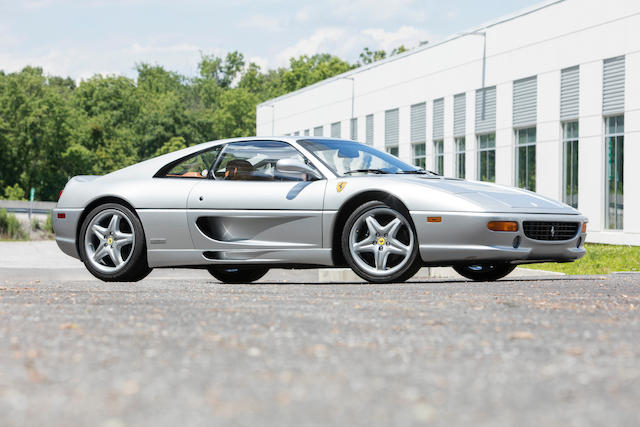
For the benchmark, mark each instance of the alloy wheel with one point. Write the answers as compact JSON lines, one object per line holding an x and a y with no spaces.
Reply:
{"x":381,"y":241}
{"x":109,"y":241}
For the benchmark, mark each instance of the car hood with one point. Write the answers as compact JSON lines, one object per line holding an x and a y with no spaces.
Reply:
{"x":495,"y":198}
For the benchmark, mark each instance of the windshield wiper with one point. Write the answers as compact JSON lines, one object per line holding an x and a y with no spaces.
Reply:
{"x":417,"y":172}
{"x":379,"y":171}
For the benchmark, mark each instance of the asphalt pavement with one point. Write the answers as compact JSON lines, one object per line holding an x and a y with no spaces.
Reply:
{"x":552,"y":351}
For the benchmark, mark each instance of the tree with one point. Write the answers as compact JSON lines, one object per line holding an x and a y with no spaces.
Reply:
{"x":368,"y":56}
{"x":174,"y":144}
{"x":307,"y":70}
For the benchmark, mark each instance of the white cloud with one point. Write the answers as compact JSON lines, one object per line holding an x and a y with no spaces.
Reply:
{"x":137,"y":48}
{"x":347,"y":42}
{"x":262,"y":23}
{"x":263,"y":63}
{"x":322,"y":40}
{"x":387,"y":40}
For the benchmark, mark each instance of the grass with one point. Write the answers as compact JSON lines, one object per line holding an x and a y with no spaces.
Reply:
{"x":600,"y":259}
{"x":10,"y":227}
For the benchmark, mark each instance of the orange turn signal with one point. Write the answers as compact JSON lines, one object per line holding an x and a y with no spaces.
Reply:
{"x":503,"y":226}
{"x":434,"y":219}
{"x":584,"y":227}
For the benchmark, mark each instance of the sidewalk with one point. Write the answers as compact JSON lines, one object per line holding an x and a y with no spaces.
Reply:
{"x":43,"y":260}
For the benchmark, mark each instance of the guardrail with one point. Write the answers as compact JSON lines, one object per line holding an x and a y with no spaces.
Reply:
{"x":20,"y":206}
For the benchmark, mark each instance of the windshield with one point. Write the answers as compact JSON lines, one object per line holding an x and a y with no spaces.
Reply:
{"x":349,"y":157}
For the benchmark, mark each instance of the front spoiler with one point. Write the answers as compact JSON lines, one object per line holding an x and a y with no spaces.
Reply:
{"x":462,"y":238}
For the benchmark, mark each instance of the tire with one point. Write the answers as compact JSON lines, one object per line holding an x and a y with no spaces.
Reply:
{"x":379,"y":243}
{"x":238,"y":275}
{"x":484,"y":272}
{"x":112,"y":244}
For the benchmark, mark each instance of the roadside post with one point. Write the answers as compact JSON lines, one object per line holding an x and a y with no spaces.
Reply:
{"x":33,"y":193}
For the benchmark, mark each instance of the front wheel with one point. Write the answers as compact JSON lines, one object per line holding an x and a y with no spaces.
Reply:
{"x":379,"y":243}
{"x":484,"y":272}
{"x":238,"y":274}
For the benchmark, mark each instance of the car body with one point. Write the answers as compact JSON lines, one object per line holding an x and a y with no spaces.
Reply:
{"x":283,"y":215}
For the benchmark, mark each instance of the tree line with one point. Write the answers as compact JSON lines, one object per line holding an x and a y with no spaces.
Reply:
{"x":52,"y":127}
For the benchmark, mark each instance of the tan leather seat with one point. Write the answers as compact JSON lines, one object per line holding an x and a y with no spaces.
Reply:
{"x":239,"y":170}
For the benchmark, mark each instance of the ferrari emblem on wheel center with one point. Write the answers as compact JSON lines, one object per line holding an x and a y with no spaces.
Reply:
{"x":381,"y":241}
{"x":110,"y":240}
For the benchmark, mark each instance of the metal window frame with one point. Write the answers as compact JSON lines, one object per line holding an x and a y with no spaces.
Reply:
{"x":615,"y":135}
{"x":526,"y":146}
{"x":565,"y":167}
{"x":485,"y":149}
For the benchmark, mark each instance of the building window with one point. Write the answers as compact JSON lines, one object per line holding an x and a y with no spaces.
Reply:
{"x":369,"y":129}
{"x":487,"y":157}
{"x":296,"y":133}
{"x":526,"y":158}
{"x":354,"y":129}
{"x":614,"y":144}
{"x":461,"y":148}
{"x":306,"y":132}
{"x":570,"y":150}
{"x":393,"y":150}
{"x":419,"y":155}
{"x":317,"y":131}
{"x":336,"y":130}
{"x":438,"y":156}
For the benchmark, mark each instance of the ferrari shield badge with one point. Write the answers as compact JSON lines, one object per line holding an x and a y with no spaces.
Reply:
{"x":340,"y":186}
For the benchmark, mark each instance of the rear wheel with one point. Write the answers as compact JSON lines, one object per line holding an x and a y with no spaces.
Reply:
{"x":238,"y":274}
{"x":112,"y":244}
{"x":484,"y":272}
{"x":380,"y":244}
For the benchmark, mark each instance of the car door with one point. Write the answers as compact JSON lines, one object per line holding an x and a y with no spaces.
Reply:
{"x":251,"y":211}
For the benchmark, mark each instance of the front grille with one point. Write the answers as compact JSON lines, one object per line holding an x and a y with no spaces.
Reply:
{"x":550,"y":230}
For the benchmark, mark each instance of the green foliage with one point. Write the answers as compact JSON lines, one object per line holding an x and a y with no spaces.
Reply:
{"x":305,"y":70}
{"x":10,"y":227}
{"x":368,"y":56}
{"x":48,"y":225}
{"x":14,"y":193}
{"x":52,"y":128}
{"x":174,"y":144}
{"x":600,"y":259}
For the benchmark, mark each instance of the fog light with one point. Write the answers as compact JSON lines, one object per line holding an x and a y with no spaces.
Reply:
{"x":503,"y":226}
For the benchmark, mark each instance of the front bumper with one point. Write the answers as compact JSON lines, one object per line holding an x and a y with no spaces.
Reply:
{"x":66,"y":229}
{"x":464,"y":238}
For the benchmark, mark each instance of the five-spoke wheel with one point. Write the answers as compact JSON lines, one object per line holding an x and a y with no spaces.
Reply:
{"x":379,"y":243}
{"x":112,"y":245}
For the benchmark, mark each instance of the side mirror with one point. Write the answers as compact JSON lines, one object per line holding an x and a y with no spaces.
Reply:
{"x":296,"y":166}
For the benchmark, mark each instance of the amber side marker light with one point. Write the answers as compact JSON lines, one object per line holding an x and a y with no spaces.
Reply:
{"x":434,"y":219}
{"x":503,"y":226}
{"x":584,"y":227}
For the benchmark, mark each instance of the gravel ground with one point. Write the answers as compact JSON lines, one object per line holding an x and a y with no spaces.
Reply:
{"x":549,"y":351}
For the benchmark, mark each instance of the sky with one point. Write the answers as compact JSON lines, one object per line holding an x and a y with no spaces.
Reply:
{"x":81,"y":38}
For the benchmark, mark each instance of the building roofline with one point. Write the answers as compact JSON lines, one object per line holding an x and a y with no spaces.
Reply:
{"x":363,"y":68}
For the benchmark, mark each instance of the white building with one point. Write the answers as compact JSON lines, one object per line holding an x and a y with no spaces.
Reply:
{"x":559,"y":112}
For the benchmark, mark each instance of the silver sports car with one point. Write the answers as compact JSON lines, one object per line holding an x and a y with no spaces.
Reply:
{"x":238,"y":207}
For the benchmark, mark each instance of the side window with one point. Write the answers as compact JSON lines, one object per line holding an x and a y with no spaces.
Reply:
{"x":256,"y":161}
{"x":196,"y":166}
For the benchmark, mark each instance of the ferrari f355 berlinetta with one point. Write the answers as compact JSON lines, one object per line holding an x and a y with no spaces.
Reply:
{"x":239,"y":207}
